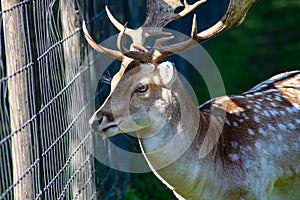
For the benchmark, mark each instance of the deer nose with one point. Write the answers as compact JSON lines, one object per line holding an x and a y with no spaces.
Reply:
{"x":94,"y":122}
{"x":97,"y":119}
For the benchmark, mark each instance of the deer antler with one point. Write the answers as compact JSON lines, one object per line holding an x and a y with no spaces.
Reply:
{"x":109,"y":52}
{"x":159,"y":14}
{"x":234,"y":16}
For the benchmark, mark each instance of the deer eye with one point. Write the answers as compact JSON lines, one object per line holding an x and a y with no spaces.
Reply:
{"x":142,"y":88}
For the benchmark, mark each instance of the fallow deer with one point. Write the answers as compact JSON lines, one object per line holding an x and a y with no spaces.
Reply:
{"x":243,"y":146}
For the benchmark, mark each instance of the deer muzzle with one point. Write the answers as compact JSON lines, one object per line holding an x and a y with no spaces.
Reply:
{"x":104,"y":123}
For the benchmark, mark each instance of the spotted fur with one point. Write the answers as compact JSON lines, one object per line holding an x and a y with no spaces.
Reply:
{"x":258,"y":152}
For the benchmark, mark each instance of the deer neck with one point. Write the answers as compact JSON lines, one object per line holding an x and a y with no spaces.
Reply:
{"x":169,"y":151}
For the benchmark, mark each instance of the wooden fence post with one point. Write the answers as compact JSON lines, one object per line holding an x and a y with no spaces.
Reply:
{"x":73,"y":57}
{"x":13,"y":25}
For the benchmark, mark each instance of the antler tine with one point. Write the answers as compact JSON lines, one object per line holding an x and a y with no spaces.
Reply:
{"x":234,"y":16}
{"x":120,"y":40}
{"x":158,"y":42}
{"x":189,"y":8}
{"x":109,"y":52}
{"x":144,"y":56}
{"x":136,"y":35}
{"x":159,"y":14}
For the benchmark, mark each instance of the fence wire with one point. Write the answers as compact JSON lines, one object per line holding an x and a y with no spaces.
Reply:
{"x":45,"y":69}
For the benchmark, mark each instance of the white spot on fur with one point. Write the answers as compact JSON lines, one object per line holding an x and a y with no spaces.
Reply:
{"x":235,"y":124}
{"x":273,"y":104}
{"x":285,"y":147}
{"x":256,"y":110}
{"x":258,"y":93}
{"x":290,"y":110}
{"x":291,"y":126}
{"x":279,"y":137}
{"x":269,"y":99}
{"x":245,"y":116}
{"x":296,"y":146}
{"x":249,"y":148}
{"x":248,"y":106}
{"x":266,"y":113}
{"x":272,"y":148}
{"x":250,"y":131}
{"x":272,"y":128}
{"x":273,"y":112}
{"x":282,"y":112}
{"x":249,"y":95}
{"x":282,"y":127}
{"x":258,"y":145}
{"x":234,"y":144}
{"x":228,"y":122}
{"x":243,"y":150}
{"x":256,"y":118}
{"x":248,"y":164}
{"x":275,"y":149}
{"x":257,"y":106}
{"x":298,"y":121}
{"x":233,"y":156}
{"x":273,"y":90}
{"x":263,"y":132}
{"x":278,"y":98}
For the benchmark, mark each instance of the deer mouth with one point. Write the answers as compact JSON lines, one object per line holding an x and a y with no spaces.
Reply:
{"x":106,"y":129}
{"x":109,"y":129}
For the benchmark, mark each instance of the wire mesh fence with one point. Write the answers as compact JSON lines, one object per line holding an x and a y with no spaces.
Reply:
{"x":45,"y":149}
{"x":49,"y":87}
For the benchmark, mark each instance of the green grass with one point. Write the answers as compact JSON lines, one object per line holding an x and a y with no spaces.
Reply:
{"x":147,"y":187}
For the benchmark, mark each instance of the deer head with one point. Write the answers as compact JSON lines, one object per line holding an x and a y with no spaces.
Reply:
{"x":131,"y":109}
{"x":149,"y":77}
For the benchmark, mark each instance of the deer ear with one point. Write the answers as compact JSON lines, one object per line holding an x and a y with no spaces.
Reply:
{"x":165,"y":74}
